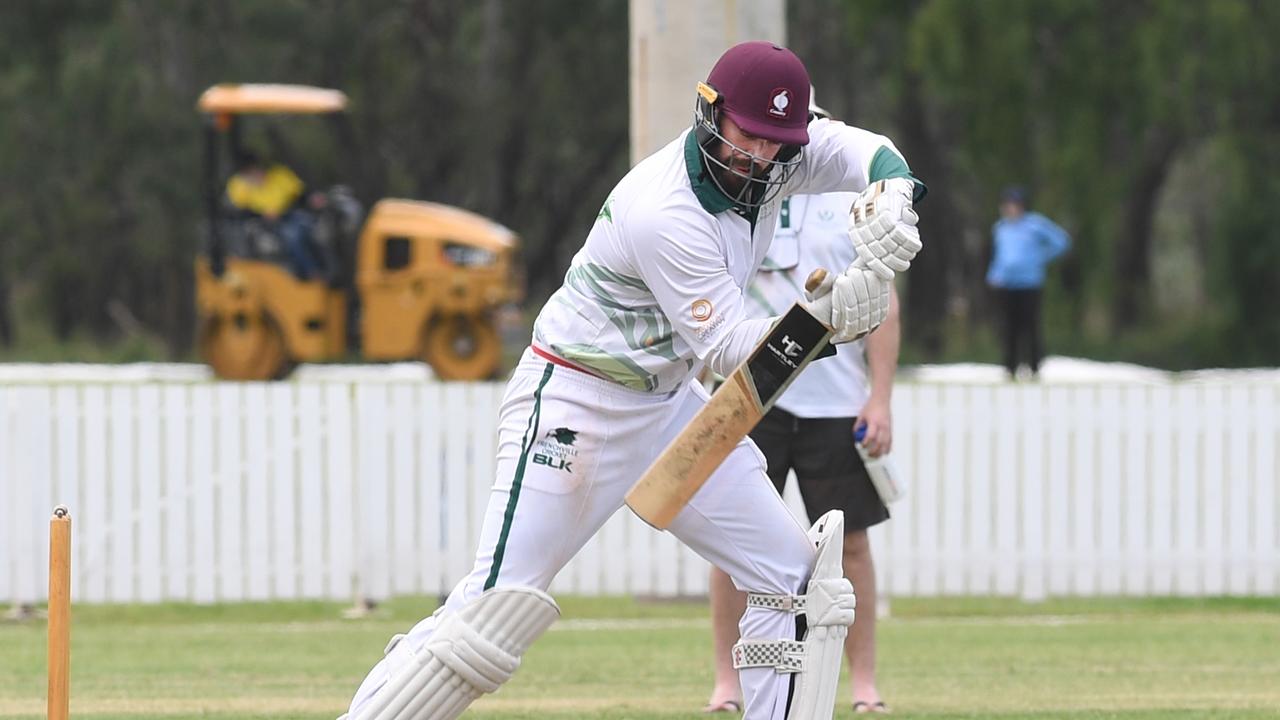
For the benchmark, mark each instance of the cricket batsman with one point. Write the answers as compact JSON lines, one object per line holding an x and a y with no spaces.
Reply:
{"x":654,"y":296}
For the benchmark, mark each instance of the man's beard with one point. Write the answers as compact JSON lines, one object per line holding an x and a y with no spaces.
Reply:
{"x":734,"y":183}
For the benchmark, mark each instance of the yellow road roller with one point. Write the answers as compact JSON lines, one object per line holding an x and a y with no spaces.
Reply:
{"x":411,"y":281}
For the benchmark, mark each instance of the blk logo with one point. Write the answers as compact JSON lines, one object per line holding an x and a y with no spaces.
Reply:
{"x":553,"y":463}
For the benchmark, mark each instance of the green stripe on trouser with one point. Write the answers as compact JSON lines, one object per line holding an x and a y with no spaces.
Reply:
{"x":530,"y":436}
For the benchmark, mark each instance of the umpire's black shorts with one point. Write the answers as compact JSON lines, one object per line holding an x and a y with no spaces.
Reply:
{"x":827,"y":465}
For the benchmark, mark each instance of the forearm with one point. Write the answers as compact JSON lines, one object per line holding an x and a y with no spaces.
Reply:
{"x":736,"y":345}
{"x":883,"y":346}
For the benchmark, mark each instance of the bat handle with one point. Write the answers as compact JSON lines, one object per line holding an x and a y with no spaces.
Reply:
{"x":815,"y":280}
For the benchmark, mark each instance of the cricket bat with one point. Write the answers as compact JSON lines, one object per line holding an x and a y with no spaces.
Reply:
{"x":735,"y":408}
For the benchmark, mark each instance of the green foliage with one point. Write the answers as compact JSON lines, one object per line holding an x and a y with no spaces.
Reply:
{"x":1092,"y":104}
{"x":1246,"y":258}
{"x":485,"y":105}
{"x":519,"y":111}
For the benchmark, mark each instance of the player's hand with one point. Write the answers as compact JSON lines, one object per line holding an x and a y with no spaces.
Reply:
{"x":877,"y":419}
{"x":882,"y":226}
{"x":853,"y":303}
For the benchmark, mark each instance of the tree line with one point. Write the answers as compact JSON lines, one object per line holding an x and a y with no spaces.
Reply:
{"x":1148,"y":129}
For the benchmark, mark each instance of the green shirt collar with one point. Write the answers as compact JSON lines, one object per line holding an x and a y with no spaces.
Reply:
{"x":704,"y":188}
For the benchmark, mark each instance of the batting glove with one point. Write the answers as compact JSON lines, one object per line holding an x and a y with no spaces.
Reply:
{"x":853,"y":303}
{"x":882,"y":226}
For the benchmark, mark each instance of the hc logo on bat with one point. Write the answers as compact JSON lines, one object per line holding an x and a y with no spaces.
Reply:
{"x":788,"y":351}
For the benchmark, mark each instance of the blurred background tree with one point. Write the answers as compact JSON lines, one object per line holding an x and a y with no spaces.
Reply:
{"x":1149,"y":129}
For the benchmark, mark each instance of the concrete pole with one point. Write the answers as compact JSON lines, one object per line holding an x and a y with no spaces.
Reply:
{"x":674,"y":43}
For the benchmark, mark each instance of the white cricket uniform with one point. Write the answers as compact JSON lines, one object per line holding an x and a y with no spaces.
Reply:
{"x":655,"y":292}
{"x":812,"y":233}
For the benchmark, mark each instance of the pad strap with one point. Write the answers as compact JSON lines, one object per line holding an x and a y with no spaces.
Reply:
{"x":785,"y":656}
{"x":830,"y":601}
{"x":782,"y":603}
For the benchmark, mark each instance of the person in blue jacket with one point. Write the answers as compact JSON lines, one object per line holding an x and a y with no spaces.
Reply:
{"x":1025,"y":242}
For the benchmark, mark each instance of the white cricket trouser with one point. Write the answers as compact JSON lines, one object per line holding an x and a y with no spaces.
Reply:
{"x":570,"y":446}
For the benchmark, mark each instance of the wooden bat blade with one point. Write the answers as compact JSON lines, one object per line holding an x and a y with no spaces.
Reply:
{"x":668,"y":485}
{"x":731,"y":413}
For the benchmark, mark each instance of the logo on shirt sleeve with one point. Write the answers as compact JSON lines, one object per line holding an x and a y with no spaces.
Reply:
{"x":606,"y":211}
{"x":702,"y":309}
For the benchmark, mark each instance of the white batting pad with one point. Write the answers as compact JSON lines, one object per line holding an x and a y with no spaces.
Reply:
{"x":472,"y":652}
{"x":828,"y":607}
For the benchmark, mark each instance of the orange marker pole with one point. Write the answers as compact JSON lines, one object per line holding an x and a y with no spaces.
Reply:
{"x":60,"y":614}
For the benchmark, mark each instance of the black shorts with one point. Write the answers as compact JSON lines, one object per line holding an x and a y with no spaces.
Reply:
{"x":827,"y":465}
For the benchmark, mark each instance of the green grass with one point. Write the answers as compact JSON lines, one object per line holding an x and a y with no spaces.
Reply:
{"x":954,"y":658}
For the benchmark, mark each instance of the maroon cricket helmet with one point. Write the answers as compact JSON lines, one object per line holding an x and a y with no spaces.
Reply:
{"x":764,"y":88}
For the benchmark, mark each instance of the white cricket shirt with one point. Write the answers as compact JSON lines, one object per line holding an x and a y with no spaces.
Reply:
{"x":659,"y":284}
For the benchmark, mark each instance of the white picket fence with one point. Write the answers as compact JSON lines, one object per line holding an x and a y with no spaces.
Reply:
{"x":213,"y":492}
